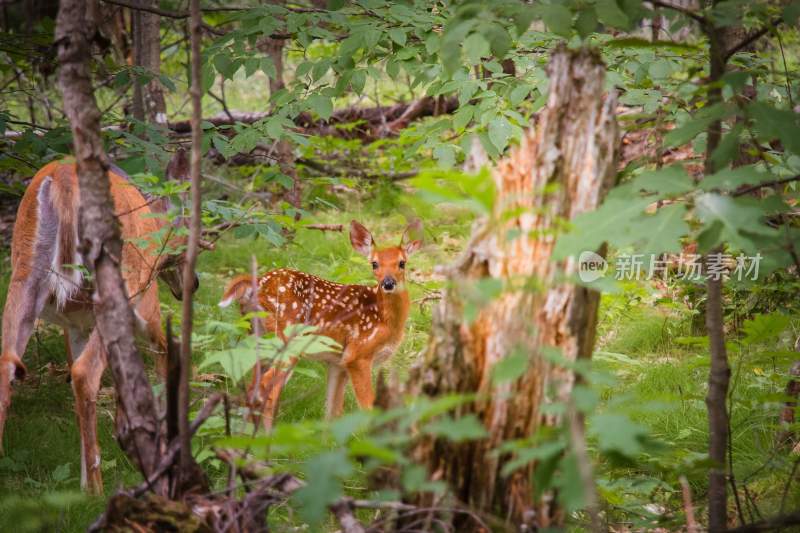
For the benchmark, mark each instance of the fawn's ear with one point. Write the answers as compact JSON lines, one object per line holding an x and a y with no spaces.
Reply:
{"x":361,"y":239}
{"x":412,"y":237}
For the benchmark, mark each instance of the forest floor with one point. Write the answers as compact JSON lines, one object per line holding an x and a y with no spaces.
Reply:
{"x":648,"y":366}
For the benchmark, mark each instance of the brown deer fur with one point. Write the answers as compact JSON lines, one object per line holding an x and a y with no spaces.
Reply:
{"x":46,"y":284}
{"x":366,"y":321}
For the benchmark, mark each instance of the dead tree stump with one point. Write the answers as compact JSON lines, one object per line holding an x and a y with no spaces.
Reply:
{"x":563,"y":167}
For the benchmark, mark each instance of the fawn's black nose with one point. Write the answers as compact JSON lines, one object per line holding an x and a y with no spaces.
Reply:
{"x":388,"y":284}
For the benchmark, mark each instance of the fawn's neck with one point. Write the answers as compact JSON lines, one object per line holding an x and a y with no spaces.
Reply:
{"x":394,"y":308}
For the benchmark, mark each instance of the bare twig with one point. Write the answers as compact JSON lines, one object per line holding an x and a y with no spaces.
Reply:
{"x":772,"y":183}
{"x":681,"y":9}
{"x":195,"y":91}
{"x":343,"y":510}
{"x":753,"y":37}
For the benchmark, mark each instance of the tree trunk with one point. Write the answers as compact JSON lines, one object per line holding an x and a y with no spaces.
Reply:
{"x":155,"y":106}
{"x":101,"y":244}
{"x":148,"y":99}
{"x":562,"y":167}
{"x":274,"y":49}
{"x":719,"y":373}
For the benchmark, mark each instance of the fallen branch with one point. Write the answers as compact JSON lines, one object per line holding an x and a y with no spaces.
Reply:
{"x":350,"y":172}
{"x":770,"y":524}
{"x":326,"y":227}
{"x":370,"y":120}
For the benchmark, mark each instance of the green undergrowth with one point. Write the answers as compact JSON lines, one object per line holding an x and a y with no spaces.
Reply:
{"x":40,"y":473}
{"x":657,"y":374}
{"x":651,"y":369}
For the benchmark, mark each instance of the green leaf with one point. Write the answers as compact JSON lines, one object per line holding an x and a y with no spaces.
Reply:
{"x":762,"y":328}
{"x":445,"y":155}
{"x":696,"y":125}
{"x":475,"y":48}
{"x":251,"y":64}
{"x":358,"y":81}
{"x":791,"y":13}
{"x":660,"y":69}
{"x":771,"y":123}
{"x":570,"y":486}
{"x":542,"y":453}
{"x":519,"y":94}
{"x":398,"y":35}
{"x":500,"y":132}
{"x":321,"y":105}
{"x":319,"y":69}
{"x":462,"y":117}
{"x":268,"y":67}
{"x":323,"y":485}
{"x":610,"y":222}
{"x":733,"y":221}
{"x":467,"y":427}
{"x":586,"y":23}
{"x":617,"y":433}
{"x":557,"y":18}
{"x":730,"y":179}
{"x":499,"y":40}
{"x":610,"y":14}
{"x":166,"y":81}
{"x":668,"y":181}
{"x":510,"y":368}
{"x":728,"y":147}
{"x":303,"y":68}
{"x":61,"y":473}
{"x":208,"y":77}
{"x":658,"y":233}
{"x":225,"y":65}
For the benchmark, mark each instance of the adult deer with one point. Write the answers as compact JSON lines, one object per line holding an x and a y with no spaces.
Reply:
{"x":368,"y":322}
{"x":47,"y":281}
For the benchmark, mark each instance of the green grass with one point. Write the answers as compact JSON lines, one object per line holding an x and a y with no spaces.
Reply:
{"x":41,"y":434}
{"x":659,"y":382}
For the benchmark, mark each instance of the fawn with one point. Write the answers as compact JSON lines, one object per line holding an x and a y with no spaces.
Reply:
{"x":366,"y":321}
{"x":45,"y":283}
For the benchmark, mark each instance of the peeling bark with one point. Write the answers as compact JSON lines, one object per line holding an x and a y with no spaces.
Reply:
{"x":562,"y":168}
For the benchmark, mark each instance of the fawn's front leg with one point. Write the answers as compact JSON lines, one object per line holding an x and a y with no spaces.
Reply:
{"x":360,"y":372}
{"x":334,"y":401}
{"x":358,"y":362}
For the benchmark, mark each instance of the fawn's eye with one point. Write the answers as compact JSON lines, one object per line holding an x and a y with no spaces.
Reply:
{"x":374,"y":265}
{"x":402,"y":264}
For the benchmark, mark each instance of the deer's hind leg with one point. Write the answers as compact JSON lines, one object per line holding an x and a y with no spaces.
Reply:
{"x":87,"y":370}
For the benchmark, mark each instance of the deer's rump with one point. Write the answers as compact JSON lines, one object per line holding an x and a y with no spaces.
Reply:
{"x":45,"y":241}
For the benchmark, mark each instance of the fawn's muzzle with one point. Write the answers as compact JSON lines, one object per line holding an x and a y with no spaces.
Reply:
{"x":388,"y":284}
